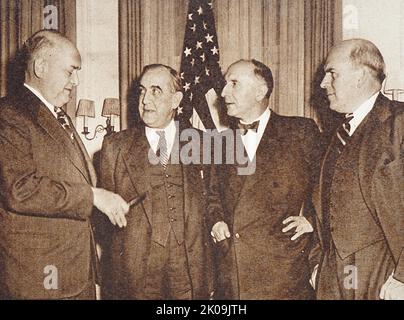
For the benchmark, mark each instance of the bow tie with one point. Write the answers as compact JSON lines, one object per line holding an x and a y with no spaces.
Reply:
{"x":245,"y":127}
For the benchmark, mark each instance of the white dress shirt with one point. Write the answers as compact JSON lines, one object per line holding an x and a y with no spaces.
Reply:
{"x":251,"y":139}
{"x":360,"y":113}
{"x":40,"y":96}
{"x":153,"y":137}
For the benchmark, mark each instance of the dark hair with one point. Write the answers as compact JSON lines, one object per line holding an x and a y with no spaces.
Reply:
{"x":365,"y":53}
{"x":176,"y":79}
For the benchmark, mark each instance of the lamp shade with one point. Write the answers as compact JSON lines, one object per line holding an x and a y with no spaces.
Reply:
{"x":86,"y":108}
{"x":111,"y":107}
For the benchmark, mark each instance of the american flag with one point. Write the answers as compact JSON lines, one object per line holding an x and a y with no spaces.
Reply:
{"x":200,"y":69}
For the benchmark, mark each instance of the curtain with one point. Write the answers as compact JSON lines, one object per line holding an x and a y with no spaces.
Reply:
{"x":150,"y":31}
{"x":323,"y":28}
{"x":292,"y":37}
{"x":130,"y":58}
{"x":19,"y":20}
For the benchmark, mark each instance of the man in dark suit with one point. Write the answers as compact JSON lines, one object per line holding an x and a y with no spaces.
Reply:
{"x":257,"y":259}
{"x":47,"y":183}
{"x":163,"y":253}
{"x":360,"y":198}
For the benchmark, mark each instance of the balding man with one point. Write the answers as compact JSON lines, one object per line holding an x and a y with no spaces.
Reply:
{"x":360,"y":200}
{"x":258,"y":256}
{"x":47,"y":183}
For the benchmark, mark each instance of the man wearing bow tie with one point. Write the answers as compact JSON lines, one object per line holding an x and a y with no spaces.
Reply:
{"x":164,"y":251}
{"x":258,"y":221}
{"x":47,"y":182}
{"x":359,"y":200}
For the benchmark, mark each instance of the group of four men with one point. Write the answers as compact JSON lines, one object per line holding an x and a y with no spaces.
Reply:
{"x":302,"y":219}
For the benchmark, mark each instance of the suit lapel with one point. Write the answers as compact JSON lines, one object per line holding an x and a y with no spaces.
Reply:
{"x":317,"y":201}
{"x":89,"y":162}
{"x":48,"y":122}
{"x":235,"y":184}
{"x":369,"y":152}
{"x":136,"y":162}
{"x":235,"y":181}
{"x":188,"y":180}
{"x":192,"y":175}
{"x":267,"y":147}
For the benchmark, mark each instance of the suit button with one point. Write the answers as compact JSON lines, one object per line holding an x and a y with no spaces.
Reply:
{"x":167,"y":176}
{"x":169,"y":185}
{"x":172,"y":219}
{"x":171,"y":196}
{"x":237,"y":236}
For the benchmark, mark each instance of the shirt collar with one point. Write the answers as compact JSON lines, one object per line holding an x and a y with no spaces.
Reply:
{"x":361,"y":112}
{"x":153,"y":137}
{"x":263,"y":120}
{"x":252,"y":139}
{"x":40,"y":97}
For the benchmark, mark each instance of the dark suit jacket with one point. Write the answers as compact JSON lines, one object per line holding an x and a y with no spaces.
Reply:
{"x":124,"y":157}
{"x":45,"y":204}
{"x":259,"y":261}
{"x":381,"y":178}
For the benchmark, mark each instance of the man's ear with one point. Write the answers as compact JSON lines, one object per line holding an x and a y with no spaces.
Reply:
{"x":362,"y":75}
{"x":39,"y":67}
{"x":261,"y":92}
{"x":177,"y":97}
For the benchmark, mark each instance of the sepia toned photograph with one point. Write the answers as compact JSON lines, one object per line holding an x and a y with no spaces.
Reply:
{"x":219,"y":151}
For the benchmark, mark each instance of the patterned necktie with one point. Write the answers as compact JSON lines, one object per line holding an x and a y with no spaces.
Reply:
{"x":343,"y":133}
{"x":63,"y":119}
{"x":245,"y":127}
{"x":162,"y":151}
